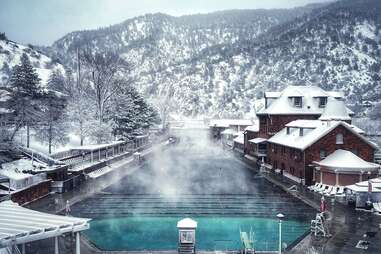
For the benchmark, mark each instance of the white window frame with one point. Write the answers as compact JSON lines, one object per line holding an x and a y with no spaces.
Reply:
{"x":339,"y":139}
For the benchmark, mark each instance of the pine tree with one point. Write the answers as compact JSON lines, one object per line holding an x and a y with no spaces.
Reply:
{"x":26,"y":95}
{"x":131,"y":113}
{"x":56,"y":81}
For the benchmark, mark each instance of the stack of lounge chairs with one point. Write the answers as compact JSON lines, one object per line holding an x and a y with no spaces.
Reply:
{"x":328,"y":190}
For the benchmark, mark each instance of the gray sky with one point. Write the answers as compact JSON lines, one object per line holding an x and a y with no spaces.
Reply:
{"x":44,"y":21}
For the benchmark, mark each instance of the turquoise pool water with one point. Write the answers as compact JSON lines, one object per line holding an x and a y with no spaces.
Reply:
{"x":213,"y":233}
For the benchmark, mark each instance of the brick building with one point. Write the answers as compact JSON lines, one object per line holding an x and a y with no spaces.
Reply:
{"x":295,"y":149}
{"x":293,"y":103}
{"x":299,"y":102}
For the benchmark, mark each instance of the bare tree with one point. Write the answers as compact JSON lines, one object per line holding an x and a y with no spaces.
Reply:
{"x":102,"y":70}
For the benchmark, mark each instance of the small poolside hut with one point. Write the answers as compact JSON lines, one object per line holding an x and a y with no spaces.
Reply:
{"x":342,"y":168}
{"x":187,"y":236}
{"x":19,"y":225}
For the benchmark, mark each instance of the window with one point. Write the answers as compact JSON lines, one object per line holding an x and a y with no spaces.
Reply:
{"x":187,"y":236}
{"x":323,"y":153}
{"x":322,"y":102}
{"x":339,"y":139}
{"x":288,"y":130}
{"x":298,"y":102}
{"x":355,"y":151}
{"x":301,"y":132}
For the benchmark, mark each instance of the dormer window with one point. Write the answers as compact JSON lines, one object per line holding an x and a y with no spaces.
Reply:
{"x":298,"y":102}
{"x":322,"y":102}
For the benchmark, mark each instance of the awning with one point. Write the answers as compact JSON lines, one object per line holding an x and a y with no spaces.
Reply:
{"x":257,"y":140}
{"x":20,"y":225}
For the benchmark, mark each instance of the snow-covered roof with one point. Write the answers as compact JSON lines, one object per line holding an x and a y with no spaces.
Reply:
{"x":253,"y":128}
{"x":364,"y":185}
{"x":229,"y":122}
{"x":187,"y":223}
{"x":229,"y":132}
{"x":14,"y":169}
{"x":239,"y":139}
{"x":336,"y":94}
{"x":310,"y":101}
{"x":343,"y":160}
{"x":96,"y":146}
{"x":272,"y":94}
{"x":313,"y":130}
{"x":21,"y":225}
{"x":335,"y":110}
{"x":257,"y":140}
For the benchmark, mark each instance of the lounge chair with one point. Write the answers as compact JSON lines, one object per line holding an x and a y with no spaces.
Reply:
{"x":319,"y":188}
{"x":333,"y":192}
{"x":321,"y":191}
{"x":312,"y":187}
{"x":340,"y":192}
{"x":328,"y":190}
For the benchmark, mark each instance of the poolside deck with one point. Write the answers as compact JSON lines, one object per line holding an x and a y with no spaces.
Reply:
{"x":348,"y":226}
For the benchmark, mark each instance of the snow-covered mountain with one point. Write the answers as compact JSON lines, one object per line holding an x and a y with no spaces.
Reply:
{"x":10,"y":54}
{"x":219,"y":63}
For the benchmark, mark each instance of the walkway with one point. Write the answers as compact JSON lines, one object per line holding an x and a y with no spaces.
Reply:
{"x":348,"y":225}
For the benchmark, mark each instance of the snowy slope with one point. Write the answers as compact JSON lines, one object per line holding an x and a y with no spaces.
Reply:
{"x":10,"y":54}
{"x":221,"y":63}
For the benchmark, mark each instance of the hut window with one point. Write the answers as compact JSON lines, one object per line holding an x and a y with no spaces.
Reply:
{"x":323,"y":153}
{"x":339,"y":139}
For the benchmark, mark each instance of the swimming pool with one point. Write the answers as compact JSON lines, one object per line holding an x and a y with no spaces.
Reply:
{"x":213,"y":233}
{"x":202,"y":182}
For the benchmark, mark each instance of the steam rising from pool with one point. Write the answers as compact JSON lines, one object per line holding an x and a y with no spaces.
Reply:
{"x":188,"y":169}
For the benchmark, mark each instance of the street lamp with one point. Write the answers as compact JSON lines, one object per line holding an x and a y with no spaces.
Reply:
{"x":280,"y":217}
